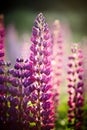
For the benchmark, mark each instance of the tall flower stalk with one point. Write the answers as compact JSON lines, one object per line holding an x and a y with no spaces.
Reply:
{"x":75,"y":88}
{"x":19,"y":94}
{"x":57,"y":57}
{"x":2,"y":36}
{"x":2,"y":74}
{"x":39,"y":57}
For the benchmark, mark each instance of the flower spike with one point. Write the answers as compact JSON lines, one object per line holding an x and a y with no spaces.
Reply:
{"x":75,"y":88}
{"x":40,"y":60}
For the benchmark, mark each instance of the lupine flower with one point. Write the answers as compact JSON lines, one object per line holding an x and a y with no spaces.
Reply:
{"x":57,"y":53}
{"x":27,"y":96}
{"x":19,"y":94}
{"x":2,"y":73}
{"x":14,"y":101}
{"x":2,"y":36}
{"x":75,"y":88}
{"x":39,"y":58}
{"x":3,"y":94}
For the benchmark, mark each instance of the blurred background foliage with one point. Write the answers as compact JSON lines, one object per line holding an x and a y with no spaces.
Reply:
{"x":22,"y":13}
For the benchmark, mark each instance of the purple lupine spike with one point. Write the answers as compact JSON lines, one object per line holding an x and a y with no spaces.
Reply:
{"x":4,"y":95}
{"x":39,"y":57}
{"x":57,"y":57}
{"x":2,"y":36}
{"x":3,"y":76}
{"x":2,"y":64}
{"x":14,"y":94}
{"x":19,"y":90}
{"x":75,"y":88}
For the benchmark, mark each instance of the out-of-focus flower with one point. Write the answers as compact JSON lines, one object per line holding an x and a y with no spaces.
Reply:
{"x":2,"y":38}
{"x":57,"y":57}
{"x":75,"y":88}
{"x":3,"y":88}
{"x":13,"y":44}
{"x":25,"y":44}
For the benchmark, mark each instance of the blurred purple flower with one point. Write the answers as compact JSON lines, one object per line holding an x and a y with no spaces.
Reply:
{"x":2,"y":38}
{"x":57,"y":58}
{"x":75,"y":88}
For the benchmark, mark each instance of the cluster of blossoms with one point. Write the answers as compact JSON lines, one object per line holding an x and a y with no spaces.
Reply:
{"x":40,"y":55}
{"x":18,"y":97}
{"x":13,"y":100}
{"x":2,"y":34}
{"x":15,"y":89}
{"x":25,"y":96}
{"x":2,"y":87}
{"x":29,"y":91}
{"x":75,"y":88}
{"x":57,"y":57}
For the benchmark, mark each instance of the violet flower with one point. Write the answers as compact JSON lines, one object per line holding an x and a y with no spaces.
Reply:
{"x":19,"y":94}
{"x":2,"y":74}
{"x":26,"y":102}
{"x":3,"y":94}
{"x":57,"y":57}
{"x":14,"y":99}
{"x":41,"y":98}
{"x":75,"y":88}
{"x":2,"y":36}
